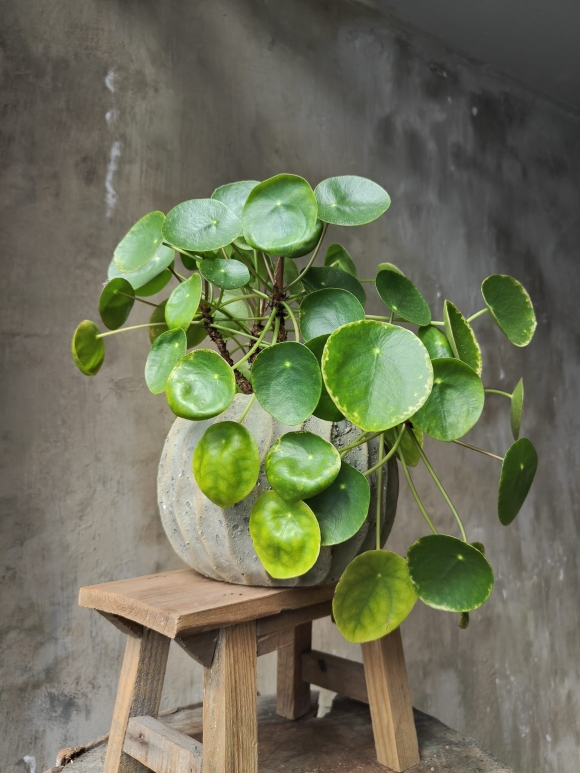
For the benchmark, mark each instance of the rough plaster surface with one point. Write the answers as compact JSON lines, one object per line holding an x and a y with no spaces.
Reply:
{"x":111,"y":109}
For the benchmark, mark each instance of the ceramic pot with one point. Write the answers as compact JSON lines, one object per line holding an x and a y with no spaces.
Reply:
{"x":216,"y":542}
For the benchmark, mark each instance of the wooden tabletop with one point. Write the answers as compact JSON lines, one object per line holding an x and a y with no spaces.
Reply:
{"x":174,"y":602}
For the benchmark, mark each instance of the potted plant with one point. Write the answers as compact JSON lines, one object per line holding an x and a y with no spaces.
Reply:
{"x":281,"y":467}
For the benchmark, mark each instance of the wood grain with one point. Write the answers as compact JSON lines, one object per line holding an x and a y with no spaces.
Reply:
{"x":345,"y":677}
{"x":200,"y":646}
{"x":138,"y":693}
{"x":390,"y":702}
{"x":160,"y":748}
{"x":175,"y":602}
{"x":230,"y":721}
{"x":293,"y":617}
{"x":293,"y":693}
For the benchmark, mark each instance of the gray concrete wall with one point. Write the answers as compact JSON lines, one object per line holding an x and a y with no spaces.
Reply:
{"x":111,"y":109}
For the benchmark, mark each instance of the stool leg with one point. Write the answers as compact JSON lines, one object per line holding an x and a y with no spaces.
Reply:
{"x":390,"y":702}
{"x":292,"y":694}
{"x":230,"y":705}
{"x":138,"y":694}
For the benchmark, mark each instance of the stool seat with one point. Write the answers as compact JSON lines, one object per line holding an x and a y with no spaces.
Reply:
{"x":173,"y":603}
{"x":225,"y":628}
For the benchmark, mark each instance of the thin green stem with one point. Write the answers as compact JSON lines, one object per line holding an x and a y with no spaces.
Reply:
{"x":379,"y":496}
{"x":391,"y":317}
{"x":224,"y":253}
{"x":385,"y":459}
{"x":133,"y":327}
{"x":238,"y":332}
{"x":136,"y":298}
{"x":498,"y":392}
{"x":247,"y":408}
{"x":294,"y":320}
{"x":311,"y":261}
{"x":184,"y":252}
{"x":438,"y":484}
{"x":268,"y":269}
{"x":362,"y":438}
{"x":259,"y":340}
{"x":414,"y":492}
{"x":276,"y":330}
{"x":437,"y":324}
{"x":366,"y":280}
{"x":176,"y":275}
{"x":479,"y":450}
{"x":477,"y":314}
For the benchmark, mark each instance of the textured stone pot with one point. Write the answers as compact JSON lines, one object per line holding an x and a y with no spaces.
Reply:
{"x":217,"y":542}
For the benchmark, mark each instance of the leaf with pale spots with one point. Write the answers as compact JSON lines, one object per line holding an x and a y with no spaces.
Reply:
{"x":226,"y":463}
{"x":300,"y":465}
{"x":286,"y":535}
{"x":373,"y":596}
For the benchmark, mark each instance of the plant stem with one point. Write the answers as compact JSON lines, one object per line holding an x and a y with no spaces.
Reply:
{"x":238,"y":298}
{"x":437,"y":324}
{"x":268,"y":269}
{"x":247,"y":409}
{"x":311,"y":261}
{"x":294,"y":321}
{"x":136,"y":298}
{"x":477,"y":314}
{"x":362,"y":438}
{"x":183,"y":252}
{"x":124,"y":329}
{"x":439,"y":485}
{"x":479,"y":450}
{"x":379,"y":495}
{"x":229,"y":330}
{"x":176,"y":275}
{"x":366,"y":280}
{"x":498,"y":392}
{"x":385,"y":459}
{"x":414,"y":492}
{"x":259,"y":340}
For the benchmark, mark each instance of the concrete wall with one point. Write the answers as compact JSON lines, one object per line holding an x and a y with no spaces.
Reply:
{"x":113,"y":108}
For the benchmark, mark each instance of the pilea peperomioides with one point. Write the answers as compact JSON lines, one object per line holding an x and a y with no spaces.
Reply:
{"x":300,"y":343}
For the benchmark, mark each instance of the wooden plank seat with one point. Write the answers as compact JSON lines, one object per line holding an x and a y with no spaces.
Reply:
{"x":225,"y":628}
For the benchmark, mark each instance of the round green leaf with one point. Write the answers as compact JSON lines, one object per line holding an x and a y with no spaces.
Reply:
{"x":389,"y":267}
{"x":195,"y":333}
{"x":144,"y":276}
{"x":325,"y":409}
{"x":183,"y":303}
{"x":342,"y":507}
{"x":323,"y":311}
{"x":337,"y":257}
{"x":286,"y":535}
{"x":373,"y":596}
{"x":287,"y":382}
{"x":350,"y":200}
{"x":322,"y":277}
{"x":449,"y":574}
{"x":511,"y":308}
{"x":516,"y":408}
{"x":166,"y":351}
{"x":116,"y":302}
{"x":227,"y":274}
{"x":235,"y":195}
{"x":140,"y":245}
{"x":201,"y":225}
{"x":226,"y":463}
{"x":377,"y":374}
{"x":401,"y":296}
{"x":461,"y":337}
{"x":200,"y":386}
{"x":88,"y":351}
{"x":455,"y":403}
{"x":280,"y":214}
{"x":303,"y":248}
{"x":300,"y":465}
{"x":517,"y":475}
{"x":409,"y":449}
{"x":435,"y":341}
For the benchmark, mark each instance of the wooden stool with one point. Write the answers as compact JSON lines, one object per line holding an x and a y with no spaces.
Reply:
{"x":225,"y":627}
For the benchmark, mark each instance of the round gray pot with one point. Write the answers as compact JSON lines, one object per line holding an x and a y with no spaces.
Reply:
{"x":216,"y":542}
